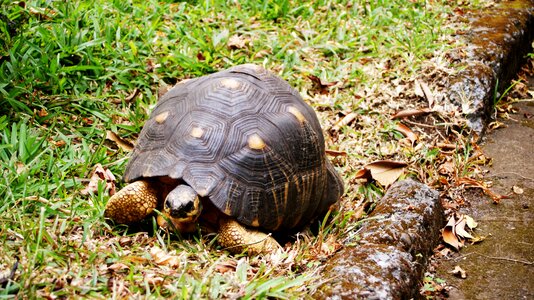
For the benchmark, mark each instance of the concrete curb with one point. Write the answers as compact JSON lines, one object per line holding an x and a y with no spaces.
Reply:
{"x":498,"y":42}
{"x":395,"y":244}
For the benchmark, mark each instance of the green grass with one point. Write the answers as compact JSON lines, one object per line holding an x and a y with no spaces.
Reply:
{"x":66,"y":75}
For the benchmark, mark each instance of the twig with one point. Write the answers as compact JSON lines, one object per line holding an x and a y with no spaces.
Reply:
{"x":47,"y":202}
{"x":506,"y":259}
{"x":420,"y":124}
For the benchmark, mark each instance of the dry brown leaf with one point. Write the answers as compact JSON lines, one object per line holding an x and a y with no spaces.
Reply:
{"x":426,"y":92}
{"x":517,"y":190}
{"x":358,"y":213}
{"x":237,"y":42}
{"x":116,"y":267}
{"x":123,"y":144}
{"x":409,"y":112}
{"x":227,"y":266}
{"x":135,"y":259}
{"x":330,"y":246}
{"x":100,"y":174}
{"x":477,"y":239}
{"x":335,"y":153}
{"x":42,"y":113}
{"x":386,"y":171}
{"x":459,"y":272}
{"x":262,"y":53}
{"x":459,"y":228}
{"x":418,"y":90}
{"x":470,"y":182}
{"x":407,"y":132}
{"x":448,"y":234}
{"x":153,"y":279}
{"x":319,"y":85}
{"x":446,"y":168}
{"x":346,"y":120}
{"x":162,"y":258}
{"x":364,"y":174}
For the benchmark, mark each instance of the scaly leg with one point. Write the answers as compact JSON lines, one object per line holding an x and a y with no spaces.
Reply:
{"x":236,"y":238}
{"x":133,"y":203}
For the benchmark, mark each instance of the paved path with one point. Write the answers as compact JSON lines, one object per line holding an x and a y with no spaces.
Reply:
{"x":502,"y":266}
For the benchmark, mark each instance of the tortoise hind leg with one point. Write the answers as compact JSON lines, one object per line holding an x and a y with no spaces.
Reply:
{"x":133,"y":203}
{"x":236,"y":238}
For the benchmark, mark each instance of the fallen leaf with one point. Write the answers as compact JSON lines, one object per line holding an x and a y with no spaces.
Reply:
{"x":123,"y":144}
{"x":386,"y":171}
{"x":262,"y":53}
{"x":153,"y":279}
{"x":330,"y":246}
{"x":445,"y":252}
{"x":446,"y":168}
{"x":364,"y":174}
{"x":162,"y":258}
{"x":100,"y":174}
{"x":237,"y":42}
{"x":426,"y":92}
{"x":116,"y":267}
{"x":459,"y":229}
{"x":411,"y":112}
{"x":517,"y":190}
{"x":418,"y":90}
{"x":407,"y":132}
{"x":346,"y":120}
{"x":335,"y":153}
{"x":470,"y":222}
{"x":496,"y":124}
{"x":459,"y":272}
{"x":477,"y":184}
{"x":448,"y":234}
{"x":319,"y":85}
{"x":477,"y":239}
{"x":227,"y":266}
{"x":358,"y":213}
{"x":42,"y":113}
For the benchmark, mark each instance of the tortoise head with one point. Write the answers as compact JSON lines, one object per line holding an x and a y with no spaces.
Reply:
{"x":182,"y":206}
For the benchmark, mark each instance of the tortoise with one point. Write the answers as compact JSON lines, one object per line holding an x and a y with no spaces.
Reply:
{"x":238,"y":150}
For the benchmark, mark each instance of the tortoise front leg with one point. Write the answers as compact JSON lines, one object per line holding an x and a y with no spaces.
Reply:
{"x":133,"y":203}
{"x":236,"y":238}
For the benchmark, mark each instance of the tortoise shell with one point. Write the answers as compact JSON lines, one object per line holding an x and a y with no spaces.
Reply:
{"x":247,"y":141}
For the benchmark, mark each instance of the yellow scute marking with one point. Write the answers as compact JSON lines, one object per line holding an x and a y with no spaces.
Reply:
{"x":294,"y":111}
{"x":197,"y":132}
{"x":256,"y":142}
{"x":230,"y":83}
{"x":160,"y":118}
